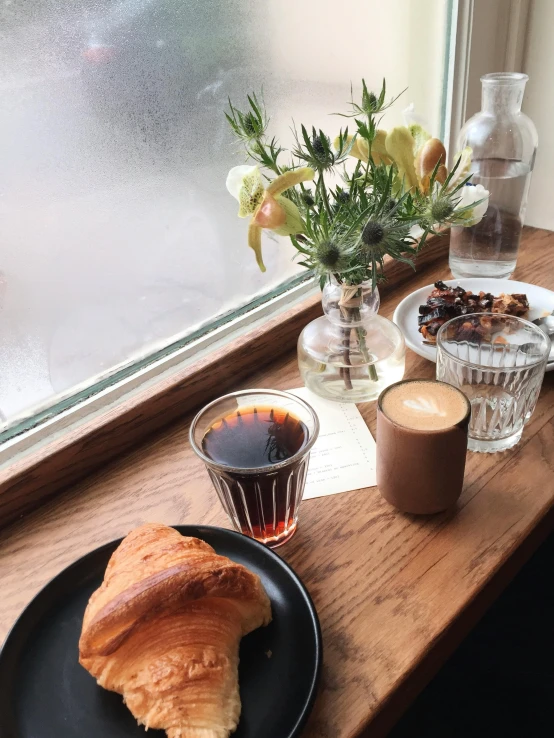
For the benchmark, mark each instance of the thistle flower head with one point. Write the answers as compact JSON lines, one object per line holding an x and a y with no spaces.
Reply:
{"x":315,"y":149}
{"x":373,"y":233}
{"x":250,"y":125}
{"x":441,"y":209}
{"x":463,"y":205}
{"x":371,"y":102}
{"x":319,"y":146}
{"x":384,"y":234}
{"x":328,"y":254}
{"x":322,"y":149}
{"x":342,"y":196}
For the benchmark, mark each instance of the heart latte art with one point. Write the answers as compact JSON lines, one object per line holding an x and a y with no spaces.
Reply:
{"x":424,"y":405}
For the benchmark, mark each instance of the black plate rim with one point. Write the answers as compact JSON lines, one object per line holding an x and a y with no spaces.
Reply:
{"x":196,"y":531}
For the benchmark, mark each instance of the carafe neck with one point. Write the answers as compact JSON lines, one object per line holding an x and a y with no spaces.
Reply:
{"x":502,"y":92}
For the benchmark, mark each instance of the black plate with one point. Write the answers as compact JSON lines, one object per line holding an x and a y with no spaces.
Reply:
{"x":45,"y":693}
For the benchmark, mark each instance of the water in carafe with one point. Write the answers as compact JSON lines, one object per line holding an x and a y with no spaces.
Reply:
{"x":489,"y":249}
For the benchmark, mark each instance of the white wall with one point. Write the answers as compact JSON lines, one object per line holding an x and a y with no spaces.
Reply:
{"x":539,"y":106}
{"x":340,"y":42}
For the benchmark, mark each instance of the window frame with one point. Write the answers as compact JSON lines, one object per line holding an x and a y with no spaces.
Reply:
{"x":505,"y":23}
{"x":49,"y":418}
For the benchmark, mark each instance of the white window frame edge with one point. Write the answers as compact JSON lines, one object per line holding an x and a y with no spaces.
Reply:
{"x":507,"y":21}
{"x":458,"y":72}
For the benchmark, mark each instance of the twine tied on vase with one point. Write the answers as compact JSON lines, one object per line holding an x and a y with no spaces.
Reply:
{"x":351,"y":296}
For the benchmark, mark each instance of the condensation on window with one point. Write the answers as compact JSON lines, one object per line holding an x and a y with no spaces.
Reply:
{"x":117,"y":235}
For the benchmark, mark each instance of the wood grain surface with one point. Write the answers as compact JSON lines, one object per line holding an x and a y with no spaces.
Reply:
{"x":394,"y":593}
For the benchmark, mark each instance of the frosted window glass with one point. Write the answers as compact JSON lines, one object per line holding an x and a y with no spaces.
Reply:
{"x":117,"y":235}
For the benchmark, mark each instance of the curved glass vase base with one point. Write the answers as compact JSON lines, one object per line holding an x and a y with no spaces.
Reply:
{"x":348,"y":363}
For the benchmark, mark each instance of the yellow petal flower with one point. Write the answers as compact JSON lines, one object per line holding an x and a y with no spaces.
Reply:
{"x":270,"y":214}
{"x":360,"y":149}
{"x":431,"y":154}
{"x":379,"y":148}
{"x":245,"y":184}
{"x":251,"y":193}
{"x":400,"y":147}
{"x":293,"y":221}
{"x":280,"y":215}
{"x":266,"y":205}
{"x":420,"y":136}
{"x":255,"y":243}
{"x":290,"y":179}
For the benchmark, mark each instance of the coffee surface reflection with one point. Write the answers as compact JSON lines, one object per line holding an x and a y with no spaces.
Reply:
{"x":257,"y":457}
{"x":255,"y":437}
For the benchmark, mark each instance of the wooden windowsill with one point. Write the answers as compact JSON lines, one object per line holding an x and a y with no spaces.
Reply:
{"x":395,"y":593}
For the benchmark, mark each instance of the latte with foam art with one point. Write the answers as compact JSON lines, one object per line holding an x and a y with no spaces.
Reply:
{"x":424,"y":405}
{"x":422,"y":428}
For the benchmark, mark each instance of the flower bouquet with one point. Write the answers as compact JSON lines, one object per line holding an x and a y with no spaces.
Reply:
{"x":347,"y":204}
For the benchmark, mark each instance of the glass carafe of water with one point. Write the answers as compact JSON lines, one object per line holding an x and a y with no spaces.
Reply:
{"x":504,"y":144}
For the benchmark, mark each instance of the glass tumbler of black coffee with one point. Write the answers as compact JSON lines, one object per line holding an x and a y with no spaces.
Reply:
{"x":256,"y":447}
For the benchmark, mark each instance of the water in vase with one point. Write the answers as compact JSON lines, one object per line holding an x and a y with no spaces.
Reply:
{"x":340,"y":367}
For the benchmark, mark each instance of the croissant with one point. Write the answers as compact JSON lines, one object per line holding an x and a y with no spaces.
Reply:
{"x":164,"y":629}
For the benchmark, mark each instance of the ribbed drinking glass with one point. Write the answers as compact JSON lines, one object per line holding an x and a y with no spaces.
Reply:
{"x":256,"y":447}
{"x":500,"y":371}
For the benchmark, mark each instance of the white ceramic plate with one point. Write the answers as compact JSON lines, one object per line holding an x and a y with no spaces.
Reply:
{"x":541,"y":302}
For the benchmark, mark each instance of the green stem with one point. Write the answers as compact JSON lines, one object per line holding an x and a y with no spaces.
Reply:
{"x":369,"y":145}
{"x":268,"y":163}
{"x":350,"y":315}
{"x":345,"y":371}
{"x":324,"y":196}
{"x":366,"y":175}
{"x":372,"y":371}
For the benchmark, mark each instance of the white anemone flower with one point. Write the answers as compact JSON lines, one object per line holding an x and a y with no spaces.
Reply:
{"x":468,"y":195}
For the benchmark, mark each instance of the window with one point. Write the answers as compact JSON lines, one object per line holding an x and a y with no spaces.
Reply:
{"x":118,"y":238}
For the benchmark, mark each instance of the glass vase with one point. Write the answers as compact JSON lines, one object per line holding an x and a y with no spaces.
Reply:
{"x":351,"y":353}
{"x":504,"y":143}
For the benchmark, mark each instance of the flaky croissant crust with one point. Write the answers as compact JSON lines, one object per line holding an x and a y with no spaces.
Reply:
{"x":164,"y":628}
{"x":155,"y":569}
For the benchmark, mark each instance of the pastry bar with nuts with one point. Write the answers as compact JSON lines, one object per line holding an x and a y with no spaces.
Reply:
{"x":446,"y":302}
